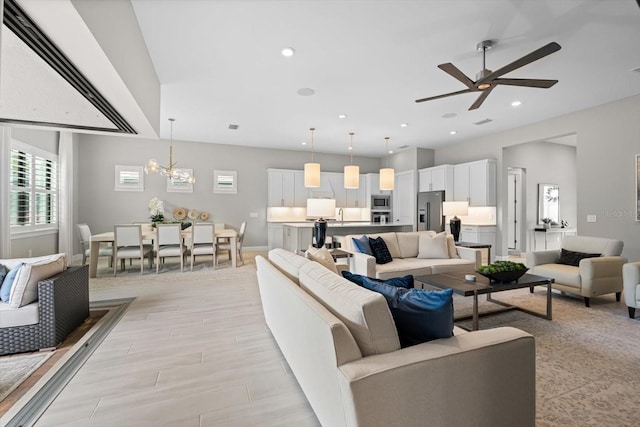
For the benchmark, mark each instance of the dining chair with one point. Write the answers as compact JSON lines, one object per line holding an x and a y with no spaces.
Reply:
{"x":169,"y":244}
{"x":85,"y":239}
{"x":203,"y":241}
{"x":226,"y":245}
{"x":128,"y":244}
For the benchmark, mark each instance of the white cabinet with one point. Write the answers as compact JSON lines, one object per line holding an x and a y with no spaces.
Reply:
{"x":437,"y":178}
{"x":404,"y":198}
{"x":275,"y":235}
{"x":336,"y":183}
{"x":475,"y":182}
{"x":357,"y":197}
{"x":296,"y":238}
{"x":372,"y":187}
{"x":286,"y":188}
{"x":485,"y":234}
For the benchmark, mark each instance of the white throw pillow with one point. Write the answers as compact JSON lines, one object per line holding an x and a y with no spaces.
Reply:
{"x":25,"y":287}
{"x":453,"y":252}
{"x":322,"y":256}
{"x":433,"y":247}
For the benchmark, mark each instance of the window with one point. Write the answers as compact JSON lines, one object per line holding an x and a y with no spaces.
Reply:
{"x":129,"y":178}
{"x":33,"y":191}
{"x":225,"y":182}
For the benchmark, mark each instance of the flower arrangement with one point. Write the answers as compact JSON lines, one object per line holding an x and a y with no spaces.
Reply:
{"x":156,"y":210}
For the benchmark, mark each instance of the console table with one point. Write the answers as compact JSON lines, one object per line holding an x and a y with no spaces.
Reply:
{"x":554,"y":231}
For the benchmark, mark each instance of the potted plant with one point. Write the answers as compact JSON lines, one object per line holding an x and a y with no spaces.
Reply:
{"x":546,"y":222}
{"x":503,"y":271}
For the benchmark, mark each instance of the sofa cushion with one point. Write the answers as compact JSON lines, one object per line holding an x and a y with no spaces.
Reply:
{"x":25,"y":287}
{"x":11,"y":317}
{"x":592,"y":245}
{"x":323,"y":257}
{"x":365,"y":313}
{"x":380,"y":250}
{"x":408,"y":243}
{"x":401,"y":282}
{"x":7,"y":282}
{"x":573,"y":258}
{"x":563,"y":274}
{"x":420,"y":315}
{"x":287,"y":262}
{"x":362,"y":245}
{"x":391,"y":240}
{"x":433,"y":247}
{"x":451,"y":245}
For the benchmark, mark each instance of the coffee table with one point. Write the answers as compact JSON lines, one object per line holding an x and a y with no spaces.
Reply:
{"x":482,"y":285}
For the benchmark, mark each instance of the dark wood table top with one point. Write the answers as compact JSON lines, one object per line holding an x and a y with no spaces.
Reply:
{"x":473,"y":245}
{"x":482,"y":285}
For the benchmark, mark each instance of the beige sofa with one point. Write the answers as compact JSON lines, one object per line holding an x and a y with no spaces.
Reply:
{"x":592,"y":277}
{"x":631,"y":285}
{"x":341,"y":344}
{"x":403,"y":247}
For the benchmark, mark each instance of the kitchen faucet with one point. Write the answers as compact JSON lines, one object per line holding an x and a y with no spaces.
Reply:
{"x":341,"y":213}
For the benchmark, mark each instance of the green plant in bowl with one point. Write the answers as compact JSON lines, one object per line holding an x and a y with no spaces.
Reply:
{"x":503,"y":271}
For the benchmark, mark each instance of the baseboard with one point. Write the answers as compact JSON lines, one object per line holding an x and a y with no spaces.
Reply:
{"x":255,"y":248}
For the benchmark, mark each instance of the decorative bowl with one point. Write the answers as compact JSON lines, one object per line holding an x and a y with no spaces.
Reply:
{"x":504,"y":276}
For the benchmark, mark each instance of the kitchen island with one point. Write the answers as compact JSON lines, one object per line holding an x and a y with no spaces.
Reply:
{"x":298,"y":235}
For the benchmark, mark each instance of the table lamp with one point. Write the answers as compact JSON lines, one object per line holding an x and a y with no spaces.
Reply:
{"x":320,"y":208}
{"x":454,"y":209}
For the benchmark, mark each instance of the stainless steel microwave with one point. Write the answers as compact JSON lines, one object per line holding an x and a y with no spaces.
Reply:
{"x":381,"y":203}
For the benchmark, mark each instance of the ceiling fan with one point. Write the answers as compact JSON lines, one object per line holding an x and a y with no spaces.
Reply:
{"x":487,"y":80}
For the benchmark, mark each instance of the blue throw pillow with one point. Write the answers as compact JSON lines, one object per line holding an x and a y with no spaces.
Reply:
{"x":420,"y":315}
{"x":5,"y":289}
{"x":380,"y":250}
{"x":400,"y":282}
{"x":362,"y":245}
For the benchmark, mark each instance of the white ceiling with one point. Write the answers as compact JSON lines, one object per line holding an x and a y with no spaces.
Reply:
{"x":219,"y":63}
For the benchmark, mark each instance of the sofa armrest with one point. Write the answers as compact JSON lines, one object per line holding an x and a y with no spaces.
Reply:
{"x":483,"y":369}
{"x":599,"y":272}
{"x":630,"y":280}
{"x":470,"y":254}
{"x":363,"y":264}
{"x":70,"y":291}
{"x":542,"y":257}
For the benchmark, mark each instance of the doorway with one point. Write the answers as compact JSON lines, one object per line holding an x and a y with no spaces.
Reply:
{"x":515,"y":210}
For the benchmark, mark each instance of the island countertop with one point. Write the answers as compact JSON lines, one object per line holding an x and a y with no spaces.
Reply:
{"x":338,"y":224}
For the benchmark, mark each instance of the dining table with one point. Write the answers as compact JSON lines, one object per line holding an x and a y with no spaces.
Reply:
{"x":150,"y":234}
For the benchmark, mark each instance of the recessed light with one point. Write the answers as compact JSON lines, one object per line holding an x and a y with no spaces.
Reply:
{"x":304,"y":142}
{"x":404,"y":125}
{"x":516,"y":103}
{"x":453,"y":132}
{"x":390,"y":151}
{"x":342,"y":116}
{"x":305,"y":91}
{"x":288,"y":52}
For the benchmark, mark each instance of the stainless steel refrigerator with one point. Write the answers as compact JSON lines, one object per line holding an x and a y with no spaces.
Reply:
{"x":430,"y":215}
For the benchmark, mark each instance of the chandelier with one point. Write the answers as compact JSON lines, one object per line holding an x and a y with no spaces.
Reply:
{"x":171,"y":171}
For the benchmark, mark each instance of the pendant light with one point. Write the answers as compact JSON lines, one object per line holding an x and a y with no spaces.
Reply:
{"x":312,"y":170}
{"x":387,"y":174}
{"x":351,"y":171}
{"x":169,"y":171}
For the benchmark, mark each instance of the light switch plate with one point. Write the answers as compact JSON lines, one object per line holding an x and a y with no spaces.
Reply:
{"x":591,"y":218}
{"x":253,"y":214}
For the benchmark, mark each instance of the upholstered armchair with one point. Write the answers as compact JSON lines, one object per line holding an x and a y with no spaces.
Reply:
{"x":631,"y":283}
{"x":585,"y":266}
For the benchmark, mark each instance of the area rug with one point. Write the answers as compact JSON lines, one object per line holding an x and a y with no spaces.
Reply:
{"x":17,"y":368}
{"x":34,"y":402}
{"x":587,"y":358}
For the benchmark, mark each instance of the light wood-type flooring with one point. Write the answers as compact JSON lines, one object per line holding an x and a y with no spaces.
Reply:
{"x":193,"y":350}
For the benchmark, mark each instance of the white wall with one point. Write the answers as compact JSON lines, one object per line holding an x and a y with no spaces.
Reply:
{"x":607,"y":142}
{"x":101,"y":207}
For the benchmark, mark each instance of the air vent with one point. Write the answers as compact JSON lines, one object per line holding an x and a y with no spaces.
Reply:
{"x":483,"y":122}
{"x":402,"y":147}
{"x":233,"y":127}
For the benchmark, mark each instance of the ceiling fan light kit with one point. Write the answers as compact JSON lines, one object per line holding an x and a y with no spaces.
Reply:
{"x":487,"y":80}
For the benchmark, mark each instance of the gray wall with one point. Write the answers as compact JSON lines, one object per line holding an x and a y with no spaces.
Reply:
{"x":42,"y":244}
{"x":101,"y":207}
{"x":545,"y":162}
{"x":607,"y":142}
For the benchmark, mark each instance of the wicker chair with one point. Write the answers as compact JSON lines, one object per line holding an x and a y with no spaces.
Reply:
{"x":63,"y":304}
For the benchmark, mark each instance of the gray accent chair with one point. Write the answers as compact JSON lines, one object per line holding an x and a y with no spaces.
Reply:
{"x":592,"y":277}
{"x":63,"y":304}
{"x":84,"y":232}
{"x":631,"y":285}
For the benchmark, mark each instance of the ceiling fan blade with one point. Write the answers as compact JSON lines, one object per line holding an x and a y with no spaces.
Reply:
{"x":481,"y":98}
{"x":431,"y":98}
{"x":545,"y":84}
{"x":455,"y":72}
{"x":527,"y":59}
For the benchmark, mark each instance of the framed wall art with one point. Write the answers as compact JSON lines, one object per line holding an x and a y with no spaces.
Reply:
{"x":225,"y":182}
